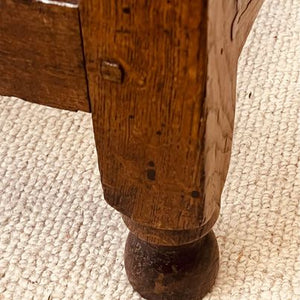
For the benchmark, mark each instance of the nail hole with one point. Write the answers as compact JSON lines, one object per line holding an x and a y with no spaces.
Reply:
{"x":126,"y":10}
{"x":151,"y":174}
{"x":151,"y":164}
{"x":195,"y":194}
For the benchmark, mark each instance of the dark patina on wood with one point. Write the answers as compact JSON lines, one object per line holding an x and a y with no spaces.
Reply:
{"x":172,"y":273}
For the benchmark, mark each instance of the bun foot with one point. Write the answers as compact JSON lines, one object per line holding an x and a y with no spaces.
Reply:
{"x":172,"y":272}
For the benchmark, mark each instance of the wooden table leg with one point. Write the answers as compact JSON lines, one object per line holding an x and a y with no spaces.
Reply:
{"x":162,"y":78}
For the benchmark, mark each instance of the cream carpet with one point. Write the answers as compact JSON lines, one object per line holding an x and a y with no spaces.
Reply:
{"x":58,"y":238}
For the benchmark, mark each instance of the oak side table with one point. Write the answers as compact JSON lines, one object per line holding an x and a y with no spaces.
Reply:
{"x":159,"y":78}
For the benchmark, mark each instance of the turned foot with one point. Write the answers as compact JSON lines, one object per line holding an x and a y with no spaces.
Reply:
{"x":181,"y":272}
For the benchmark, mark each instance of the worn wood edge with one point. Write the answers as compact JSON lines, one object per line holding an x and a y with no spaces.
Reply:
{"x":228,"y":27}
{"x":244,"y":22}
{"x":64,"y":3}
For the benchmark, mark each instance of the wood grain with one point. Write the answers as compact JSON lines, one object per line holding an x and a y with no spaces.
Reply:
{"x":149,"y":129}
{"x":169,"y":237}
{"x":164,"y":132}
{"x":228,"y":26}
{"x":41,"y":56}
{"x":162,"y":81}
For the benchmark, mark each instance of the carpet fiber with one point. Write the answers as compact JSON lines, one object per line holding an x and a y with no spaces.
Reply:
{"x":60,"y":240}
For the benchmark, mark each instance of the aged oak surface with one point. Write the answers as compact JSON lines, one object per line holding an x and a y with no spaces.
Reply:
{"x":41,"y":57}
{"x":164,"y":131}
{"x":149,"y":128}
{"x":162,"y":81}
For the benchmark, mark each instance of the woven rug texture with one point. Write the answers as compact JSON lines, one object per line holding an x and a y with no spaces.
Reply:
{"x":60,"y":240}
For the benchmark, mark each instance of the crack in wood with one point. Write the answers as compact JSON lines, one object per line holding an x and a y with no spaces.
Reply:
{"x":239,"y":4}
